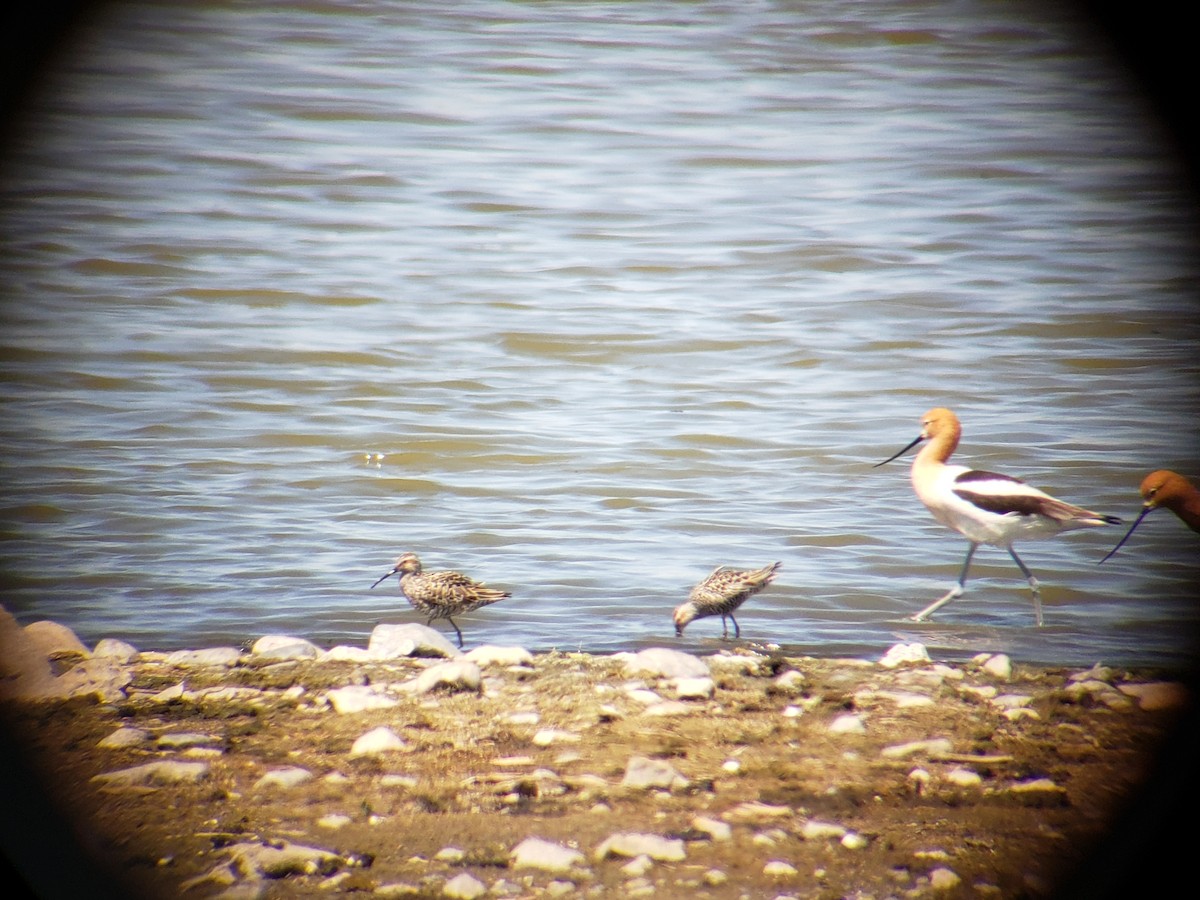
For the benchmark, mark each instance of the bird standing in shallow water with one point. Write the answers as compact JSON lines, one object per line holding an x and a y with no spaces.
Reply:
{"x":722,"y":592}
{"x":440,"y":595}
{"x":1169,"y":489}
{"x":984,"y":507}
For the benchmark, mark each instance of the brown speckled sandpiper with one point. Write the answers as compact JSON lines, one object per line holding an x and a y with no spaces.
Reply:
{"x":440,"y":595}
{"x":722,"y":592}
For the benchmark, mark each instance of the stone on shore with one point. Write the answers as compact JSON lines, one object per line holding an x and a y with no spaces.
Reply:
{"x":284,"y":647}
{"x":286,"y":777}
{"x":53,"y":640}
{"x":664,"y":663}
{"x":225,"y":657}
{"x":154,"y":774}
{"x":458,"y":675}
{"x":24,"y":669}
{"x":535,"y":853}
{"x":111,"y":648}
{"x":356,"y":698}
{"x":376,"y":741}
{"x":491,"y":655}
{"x":635,"y":844}
{"x":391,"y":641}
{"x":647,"y":774}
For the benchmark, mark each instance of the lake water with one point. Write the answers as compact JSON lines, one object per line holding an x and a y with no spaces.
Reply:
{"x":583,"y":299}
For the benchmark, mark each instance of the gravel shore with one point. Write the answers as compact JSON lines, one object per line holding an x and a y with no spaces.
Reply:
{"x":410,"y":769}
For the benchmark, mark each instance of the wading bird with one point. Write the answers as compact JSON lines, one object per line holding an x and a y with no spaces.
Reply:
{"x":984,"y":507}
{"x":440,"y":595}
{"x":722,"y":592}
{"x":1169,"y":489}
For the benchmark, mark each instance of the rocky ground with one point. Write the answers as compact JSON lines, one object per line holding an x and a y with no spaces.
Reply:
{"x":409,"y":769}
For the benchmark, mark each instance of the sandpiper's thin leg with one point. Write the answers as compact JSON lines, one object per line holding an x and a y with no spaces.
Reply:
{"x":1033,"y":585}
{"x":456,"y":631}
{"x":737,"y":629}
{"x":956,"y":591}
{"x":724,"y":628}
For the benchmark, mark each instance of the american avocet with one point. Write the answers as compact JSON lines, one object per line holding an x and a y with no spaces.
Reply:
{"x":983,"y":507}
{"x":722,"y":592}
{"x":1169,"y":489}
{"x":441,"y":595}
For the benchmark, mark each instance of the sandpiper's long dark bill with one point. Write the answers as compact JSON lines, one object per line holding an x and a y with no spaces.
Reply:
{"x":984,"y":507}
{"x":1168,"y":489}
{"x":441,"y":595}
{"x":720,"y":594}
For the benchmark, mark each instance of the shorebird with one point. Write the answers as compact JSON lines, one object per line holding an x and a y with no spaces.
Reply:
{"x":440,"y":595}
{"x":1169,"y":489}
{"x":984,"y":507}
{"x":722,"y":592}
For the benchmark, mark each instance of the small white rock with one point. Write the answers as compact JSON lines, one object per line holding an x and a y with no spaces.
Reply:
{"x":644,"y":773}
{"x":355,"y":698}
{"x":535,"y":853}
{"x":492,"y":655}
{"x":460,"y":675}
{"x":848,"y":723}
{"x":777,"y":868}
{"x":943,"y":879}
{"x":464,"y":886}
{"x":694,"y":688}
{"x":287,"y":777}
{"x":931,"y":747}
{"x":376,"y":741}
{"x":821,"y":831}
{"x":714,"y":828}
{"x":998,"y":666}
{"x":638,"y":866}
{"x":632,"y":844}
{"x":124,"y":737}
{"x":548,"y":736}
{"x":663,"y":662}
{"x":904,"y":654}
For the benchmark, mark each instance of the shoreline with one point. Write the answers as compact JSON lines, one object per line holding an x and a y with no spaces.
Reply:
{"x":407,"y":768}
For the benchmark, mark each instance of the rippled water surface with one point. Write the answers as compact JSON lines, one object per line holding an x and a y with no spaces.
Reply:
{"x":583,"y":299}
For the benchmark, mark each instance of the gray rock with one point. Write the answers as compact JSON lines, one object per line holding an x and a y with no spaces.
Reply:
{"x":356,"y":698}
{"x":464,"y":886}
{"x":154,"y":774}
{"x":342,"y":653}
{"x":390,"y":641}
{"x":24,"y":670}
{"x":535,"y":853}
{"x":117,"y":651}
{"x":376,"y":741}
{"x":182,"y":740}
{"x":491,"y":655}
{"x":226,"y":657}
{"x":103,"y":677}
{"x":123,"y":737}
{"x":459,"y":675}
{"x":648,"y":774}
{"x":282,"y":646}
{"x":262,"y":861}
{"x":664,"y":662}
{"x":905,"y":655}
{"x":52,"y":639}
{"x":633,"y":845}
{"x":694,"y":688}
{"x":287,"y":777}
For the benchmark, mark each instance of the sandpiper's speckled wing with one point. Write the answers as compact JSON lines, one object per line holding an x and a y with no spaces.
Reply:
{"x":448,"y":593}
{"x":725,"y":589}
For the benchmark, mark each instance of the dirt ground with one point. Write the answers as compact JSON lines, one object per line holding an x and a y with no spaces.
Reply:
{"x":474,"y":778}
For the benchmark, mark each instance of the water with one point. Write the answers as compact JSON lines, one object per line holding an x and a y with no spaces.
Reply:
{"x":583,"y":299}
